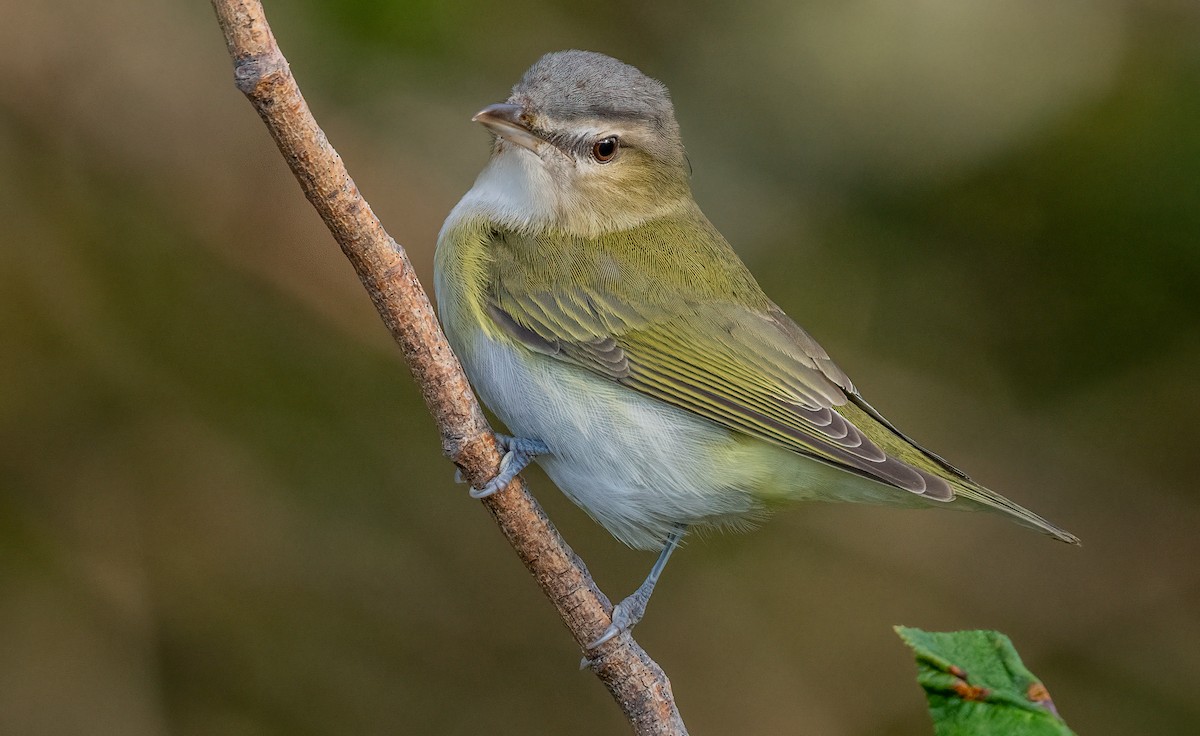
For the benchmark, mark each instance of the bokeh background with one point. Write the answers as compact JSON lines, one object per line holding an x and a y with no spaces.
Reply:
{"x":222,"y":506}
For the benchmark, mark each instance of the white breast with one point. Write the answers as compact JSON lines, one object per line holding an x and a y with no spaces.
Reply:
{"x":636,"y":465}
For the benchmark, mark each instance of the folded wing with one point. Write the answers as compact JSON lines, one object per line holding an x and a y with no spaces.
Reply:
{"x":752,"y":372}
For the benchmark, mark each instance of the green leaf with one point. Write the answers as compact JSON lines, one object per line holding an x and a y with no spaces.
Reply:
{"x":977,"y":686}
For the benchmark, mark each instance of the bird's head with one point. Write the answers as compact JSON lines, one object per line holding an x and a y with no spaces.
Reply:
{"x":586,"y":144}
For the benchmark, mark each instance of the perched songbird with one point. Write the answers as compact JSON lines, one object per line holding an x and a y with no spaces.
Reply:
{"x":604,"y":319}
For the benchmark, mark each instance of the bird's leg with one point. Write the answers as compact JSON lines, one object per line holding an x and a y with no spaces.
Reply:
{"x":628,"y":612}
{"x":518,"y":452}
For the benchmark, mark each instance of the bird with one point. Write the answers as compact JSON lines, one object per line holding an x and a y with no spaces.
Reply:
{"x":630,"y":352}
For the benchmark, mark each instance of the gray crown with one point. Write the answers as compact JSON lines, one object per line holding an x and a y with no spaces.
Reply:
{"x":568,"y":85}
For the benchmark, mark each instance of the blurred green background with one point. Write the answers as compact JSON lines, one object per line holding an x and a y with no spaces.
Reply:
{"x":222,"y":506}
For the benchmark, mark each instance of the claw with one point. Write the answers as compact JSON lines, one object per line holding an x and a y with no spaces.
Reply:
{"x":518,"y":452}
{"x":625,"y":616}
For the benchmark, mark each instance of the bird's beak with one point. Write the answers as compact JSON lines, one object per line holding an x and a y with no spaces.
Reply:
{"x":506,"y":121}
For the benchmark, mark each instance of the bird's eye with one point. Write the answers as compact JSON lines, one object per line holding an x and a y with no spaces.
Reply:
{"x":605,"y":149}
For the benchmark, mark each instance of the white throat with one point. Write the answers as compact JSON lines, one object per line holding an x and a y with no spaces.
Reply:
{"x":514,"y":190}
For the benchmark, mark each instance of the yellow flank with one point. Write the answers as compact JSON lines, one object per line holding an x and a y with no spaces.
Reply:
{"x":462,"y":266}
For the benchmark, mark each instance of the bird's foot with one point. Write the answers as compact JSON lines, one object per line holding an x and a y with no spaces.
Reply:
{"x":625,"y":615}
{"x":518,"y":452}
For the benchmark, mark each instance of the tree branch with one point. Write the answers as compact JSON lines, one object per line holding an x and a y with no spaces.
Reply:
{"x":637,"y":683}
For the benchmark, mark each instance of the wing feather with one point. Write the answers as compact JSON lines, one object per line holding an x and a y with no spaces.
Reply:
{"x":750,"y":372}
